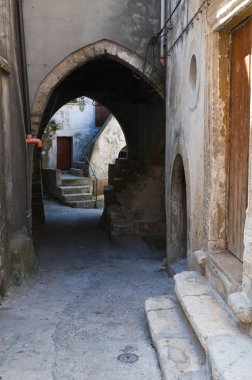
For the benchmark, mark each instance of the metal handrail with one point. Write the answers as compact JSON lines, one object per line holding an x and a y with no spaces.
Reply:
{"x":83,"y":149}
{"x":96,"y":180}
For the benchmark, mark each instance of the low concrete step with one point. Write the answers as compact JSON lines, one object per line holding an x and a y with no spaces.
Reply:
{"x":228,"y":349}
{"x":77,"y":197}
{"x":180,"y":354}
{"x":82,"y":204}
{"x":75,"y":189}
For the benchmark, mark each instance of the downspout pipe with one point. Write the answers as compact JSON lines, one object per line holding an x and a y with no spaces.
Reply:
{"x":26,"y":100}
{"x":31,"y":140}
{"x":163,"y":36}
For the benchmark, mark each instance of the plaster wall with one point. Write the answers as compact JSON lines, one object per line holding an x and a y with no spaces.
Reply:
{"x":70,"y":122}
{"x":16,"y":249}
{"x":185,"y":112}
{"x":106,"y":148}
{"x":56,"y":28}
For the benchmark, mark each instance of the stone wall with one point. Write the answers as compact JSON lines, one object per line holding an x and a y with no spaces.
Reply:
{"x":198,"y":90}
{"x":16,"y":249}
{"x":185,"y":113}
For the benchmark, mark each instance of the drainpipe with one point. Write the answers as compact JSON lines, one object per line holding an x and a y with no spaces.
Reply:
{"x":26,"y":108}
{"x":31,"y":140}
{"x":26,"y":101}
{"x":163,"y":37}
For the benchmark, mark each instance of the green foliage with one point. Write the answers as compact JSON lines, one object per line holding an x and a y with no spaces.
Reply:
{"x":48,"y":137}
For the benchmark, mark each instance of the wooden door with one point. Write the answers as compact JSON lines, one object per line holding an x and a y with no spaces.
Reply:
{"x":239,"y":134}
{"x":64,"y":153}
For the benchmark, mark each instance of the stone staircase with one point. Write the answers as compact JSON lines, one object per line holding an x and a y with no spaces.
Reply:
{"x":131,"y":205}
{"x":196,"y":334}
{"x":76,"y":190}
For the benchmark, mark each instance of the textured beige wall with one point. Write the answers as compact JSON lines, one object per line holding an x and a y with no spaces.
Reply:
{"x":185,"y":110}
{"x":106,"y":148}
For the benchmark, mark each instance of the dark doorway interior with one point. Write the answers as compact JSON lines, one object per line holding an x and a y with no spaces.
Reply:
{"x":178,"y":211}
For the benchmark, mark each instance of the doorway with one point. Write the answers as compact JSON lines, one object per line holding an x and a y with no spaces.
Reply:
{"x":241,"y":56}
{"x":64,"y":153}
{"x":178,"y":211}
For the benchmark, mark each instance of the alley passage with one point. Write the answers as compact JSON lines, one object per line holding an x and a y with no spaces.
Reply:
{"x":83,"y":307}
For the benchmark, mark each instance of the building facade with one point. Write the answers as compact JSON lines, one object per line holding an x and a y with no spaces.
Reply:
{"x":188,"y":178}
{"x":17,"y":255}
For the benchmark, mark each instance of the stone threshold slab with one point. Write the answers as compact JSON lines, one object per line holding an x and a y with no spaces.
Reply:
{"x":179,"y":352}
{"x":228,"y":350}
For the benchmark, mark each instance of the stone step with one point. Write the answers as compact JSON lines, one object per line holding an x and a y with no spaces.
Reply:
{"x":118,"y":183}
{"x":123,"y":162}
{"x":77,"y":197}
{"x":70,"y":180}
{"x":75,"y":189}
{"x":179,"y":352}
{"x":229,"y":351}
{"x":82,"y":204}
{"x":128,"y":175}
{"x":114,"y":171}
{"x":76,"y":171}
{"x":78,"y":164}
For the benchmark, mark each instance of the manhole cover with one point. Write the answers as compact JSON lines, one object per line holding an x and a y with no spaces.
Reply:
{"x":128,"y":358}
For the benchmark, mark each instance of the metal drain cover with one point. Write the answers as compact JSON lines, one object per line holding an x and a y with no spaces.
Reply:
{"x":128,"y":358}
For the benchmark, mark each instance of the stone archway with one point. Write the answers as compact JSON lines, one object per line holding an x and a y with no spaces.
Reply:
{"x":99,"y":49}
{"x":178,"y":213}
{"x":140,"y":81}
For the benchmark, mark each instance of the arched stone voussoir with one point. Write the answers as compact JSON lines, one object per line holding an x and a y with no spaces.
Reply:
{"x":102,"y":48}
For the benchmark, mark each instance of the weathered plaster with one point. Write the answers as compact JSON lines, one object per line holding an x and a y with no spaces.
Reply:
{"x":55,"y":29}
{"x":70,"y":121}
{"x":185,"y":119}
{"x":106,"y":148}
{"x":14,"y":194}
{"x":103,"y":48}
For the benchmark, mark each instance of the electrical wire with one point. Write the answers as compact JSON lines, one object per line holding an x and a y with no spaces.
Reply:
{"x":158,"y":35}
{"x":195,"y":16}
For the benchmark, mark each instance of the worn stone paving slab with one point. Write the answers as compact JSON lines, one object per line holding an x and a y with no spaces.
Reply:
{"x":231,"y":357}
{"x":83,"y":307}
{"x":179,"y":352}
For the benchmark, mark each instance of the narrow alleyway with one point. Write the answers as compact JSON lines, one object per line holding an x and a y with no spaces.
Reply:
{"x":83,"y":307}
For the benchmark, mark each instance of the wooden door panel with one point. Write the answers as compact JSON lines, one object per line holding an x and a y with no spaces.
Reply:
{"x":239,"y":135}
{"x":64,"y":153}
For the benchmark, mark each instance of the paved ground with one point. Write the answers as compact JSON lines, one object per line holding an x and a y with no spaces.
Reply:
{"x":84,"y":307}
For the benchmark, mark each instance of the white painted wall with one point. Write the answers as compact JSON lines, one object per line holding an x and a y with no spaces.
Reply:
{"x":80,"y":125}
{"x":72,"y":122}
{"x":106,"y":148}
